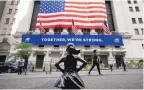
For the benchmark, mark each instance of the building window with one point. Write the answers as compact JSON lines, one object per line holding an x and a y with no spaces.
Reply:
{"x":140,"y":20}
{"x":12,"y":2}
{"x":10,"y":11}
{"x":143,"y":46}
{"x":133,"y":20}
{"x":17,"y":2}
{"x":7,"y":20}
{"x":142,"y":31}
{"x":129,"y":1}
{"x":135,"y":2}
{"x":15,"y":11}
{"x":136,"y":31}
{"x":130,"y":9}
{"x":137,"y":9}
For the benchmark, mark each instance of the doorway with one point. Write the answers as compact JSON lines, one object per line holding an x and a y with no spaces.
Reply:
{"x":88,"y":58}
{"x":2,"y":59}
{"x":119,"y":60}
{"x":39,"y":61}
{"x":104,"y":59}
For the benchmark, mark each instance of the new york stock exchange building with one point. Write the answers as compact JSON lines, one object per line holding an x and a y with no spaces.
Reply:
{"x":124,"y":44}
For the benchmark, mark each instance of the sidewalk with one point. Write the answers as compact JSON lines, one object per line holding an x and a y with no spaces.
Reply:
{"x":118,"y":79}
{"x":82,"y":73}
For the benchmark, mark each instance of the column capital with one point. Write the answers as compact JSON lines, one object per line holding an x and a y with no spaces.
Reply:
{"x":93,"y":32}
{"x":64,"y":31}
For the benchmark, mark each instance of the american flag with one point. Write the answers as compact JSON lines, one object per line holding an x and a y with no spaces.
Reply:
{"x":58,"y":13}
{"x":74,"y":30}
{"x":42,"y":30}
{"x":106,"y":28}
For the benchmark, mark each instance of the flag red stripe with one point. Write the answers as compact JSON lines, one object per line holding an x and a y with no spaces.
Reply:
{"x":67,"y":20}
{"x":86,"y":2}
{"x":72,"y":15}
{"x":94,"y":11}
{"x":68,"y":26}
{"x":82,"y":7}
{"x":106,"y":30}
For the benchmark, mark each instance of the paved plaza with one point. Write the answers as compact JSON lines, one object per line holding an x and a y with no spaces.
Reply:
{"x":118,"y":79}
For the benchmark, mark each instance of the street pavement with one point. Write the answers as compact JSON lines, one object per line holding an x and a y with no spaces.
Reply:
{"x":118,"y":79}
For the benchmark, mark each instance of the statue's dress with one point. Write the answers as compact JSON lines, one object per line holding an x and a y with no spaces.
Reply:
{"x":70,"y":78}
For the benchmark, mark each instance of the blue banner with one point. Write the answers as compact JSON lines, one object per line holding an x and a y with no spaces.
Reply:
{"x":79,"y":40}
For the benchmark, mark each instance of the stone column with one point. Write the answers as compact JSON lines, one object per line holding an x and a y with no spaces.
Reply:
{"x":92,"y":32}
{"x":51,"y":31}
{"x":80,"y":32}
{"x":31,"y":60}
{"x":46,"y":61}
{"x":65,"y":31}
{"x":49,"y":62}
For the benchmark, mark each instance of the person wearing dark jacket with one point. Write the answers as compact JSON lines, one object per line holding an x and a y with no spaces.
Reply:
{"x":96,"y":62}
{"x":70,"y":78}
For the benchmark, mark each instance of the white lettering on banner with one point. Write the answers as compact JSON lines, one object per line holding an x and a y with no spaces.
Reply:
{"x":78,"y":39}
{"x":90,"y":40}
{"x":53,"y":39}
{"x":72,"y":39}
{"x":100,"y":40}
{"x":68,"y":39}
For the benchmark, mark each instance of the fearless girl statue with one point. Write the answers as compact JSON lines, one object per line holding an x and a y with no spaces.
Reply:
{"x":70,"y":78}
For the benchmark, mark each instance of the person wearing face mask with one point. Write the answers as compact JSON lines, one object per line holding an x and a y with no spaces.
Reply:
{"x":70,"y":78}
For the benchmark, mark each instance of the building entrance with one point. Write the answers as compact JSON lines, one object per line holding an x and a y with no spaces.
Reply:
{"x":88,"y":58}
{"x":2,"y":59}
{"x":39,"y":61}
{"x":119,"y":60}
{"x":104,"y":59}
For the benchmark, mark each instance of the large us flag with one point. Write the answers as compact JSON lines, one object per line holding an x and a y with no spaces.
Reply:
{"x":59,"y":13}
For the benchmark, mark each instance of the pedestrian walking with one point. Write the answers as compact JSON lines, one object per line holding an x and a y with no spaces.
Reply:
{"x":111,"y":65}
{"x":20,"y":66}
{"x":96,"y":62}
{"x":32,"y":69}
{"x":47,"y":67}
{"x":25,"y":66}
{"x":70,"y":78}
